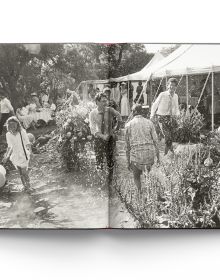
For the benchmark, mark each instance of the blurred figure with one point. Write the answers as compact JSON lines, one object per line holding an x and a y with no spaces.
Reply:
{"x":124,"y":102}
{"x":131,"y":93}
{"x":97,"y":90}
{"x":45,"y":98}
{"x":35,"y":100}
{"x":107,"y":92}
{"x":6,"y":110}
{"x":24,"y":117}
{"x":116,"y":93}
{"x":91,"y":92}
{"x":139,"y":91}
{"x":193,"y":92}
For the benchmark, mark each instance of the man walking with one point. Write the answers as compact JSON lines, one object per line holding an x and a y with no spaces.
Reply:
{"x":166,"y":107}
{"x":103,"y":127}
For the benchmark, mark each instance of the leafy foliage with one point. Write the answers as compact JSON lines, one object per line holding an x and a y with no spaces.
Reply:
{"x":23,"y":70}
{"x":182,"y":192}
{"x":189,"y":127}
{"x":74,"y":132}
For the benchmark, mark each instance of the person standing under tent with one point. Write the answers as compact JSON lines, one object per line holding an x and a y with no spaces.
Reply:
{"x":91,"y":92}
{"x":107,"y":92}
{"x":101,"y":121}
{"x":141,"y":144}
{"x":124,"y":102}
{"x":117,"y":93}
{"x":6,"y":110}
{"x":130,"y":94}
{"x":138,"y":93}
{"x":193,"y":92}
{"x":97,"y":90}
{"x":166,"y":107}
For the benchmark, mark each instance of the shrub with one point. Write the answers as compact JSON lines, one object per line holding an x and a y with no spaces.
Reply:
{"x":189,"y":127}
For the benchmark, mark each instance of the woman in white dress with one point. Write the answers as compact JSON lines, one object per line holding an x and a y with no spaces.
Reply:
{"x":124,"y":101}
{"x":19,"y":149}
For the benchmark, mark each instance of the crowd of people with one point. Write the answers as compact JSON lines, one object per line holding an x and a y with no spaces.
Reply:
{"x":141,"y":138}
{"x":16,"y":123}
{"x":30,"y":112}
{"x":124,"y":95}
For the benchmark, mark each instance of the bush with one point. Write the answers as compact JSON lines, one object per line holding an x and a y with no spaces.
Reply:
{"x":189,"y":127}
{"x":74,"y":132}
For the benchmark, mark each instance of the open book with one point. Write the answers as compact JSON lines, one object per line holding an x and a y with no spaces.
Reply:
{"x":109,"y":136}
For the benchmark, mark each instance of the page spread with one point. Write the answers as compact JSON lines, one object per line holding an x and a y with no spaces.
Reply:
{"x":109,"y":136}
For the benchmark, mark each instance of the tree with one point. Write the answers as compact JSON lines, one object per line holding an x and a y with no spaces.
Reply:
{"x":114,"y":60}
{"x":25,"y":68}
{"x":13,"y":58}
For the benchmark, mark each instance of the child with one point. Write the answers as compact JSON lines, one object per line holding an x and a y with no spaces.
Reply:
{"x":19,"y":149}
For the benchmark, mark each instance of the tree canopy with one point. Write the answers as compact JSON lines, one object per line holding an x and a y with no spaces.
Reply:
{"x":27,"y":68}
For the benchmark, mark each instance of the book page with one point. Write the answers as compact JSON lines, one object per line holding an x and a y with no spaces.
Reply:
{"x":109,"y":135}
{"x":49,"y":178}
{"x":167,"y":165}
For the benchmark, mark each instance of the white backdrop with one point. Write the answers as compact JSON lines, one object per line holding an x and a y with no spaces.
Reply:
{"x":109,"y":254}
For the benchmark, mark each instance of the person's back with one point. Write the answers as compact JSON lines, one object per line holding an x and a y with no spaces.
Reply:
{"x":140,"y":131}
{"x":140,"y":145}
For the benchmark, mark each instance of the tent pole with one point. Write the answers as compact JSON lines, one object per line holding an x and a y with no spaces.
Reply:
{"x":179,"y":83}
{"x":144,"y":89}
{"x":155,"y":96}
{"x":128,"y":97}
{"x":212,"y":101}
{"x":150,"y":95}
{"x":202,"y":90}
{"x":187,"y":92}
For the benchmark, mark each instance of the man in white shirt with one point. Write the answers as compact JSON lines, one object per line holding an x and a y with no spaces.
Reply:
{"x":6,"y":110}
{"x":166,"y":107}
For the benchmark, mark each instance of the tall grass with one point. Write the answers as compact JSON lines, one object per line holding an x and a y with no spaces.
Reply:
{"x":180,"y":193}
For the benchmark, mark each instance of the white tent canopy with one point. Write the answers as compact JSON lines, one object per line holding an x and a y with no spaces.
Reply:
{"x":189,"y":60}
{"x":143,"y":74}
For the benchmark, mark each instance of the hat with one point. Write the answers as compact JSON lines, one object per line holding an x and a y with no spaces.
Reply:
{"x":13,"y":119}
{"x":123,"y":83}
{"x":33,"y":94}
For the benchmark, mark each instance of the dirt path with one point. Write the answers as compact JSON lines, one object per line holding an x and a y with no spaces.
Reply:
{"x":58,"y":200}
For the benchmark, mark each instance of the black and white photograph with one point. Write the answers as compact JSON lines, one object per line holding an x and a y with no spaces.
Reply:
{"x":109,"y":136}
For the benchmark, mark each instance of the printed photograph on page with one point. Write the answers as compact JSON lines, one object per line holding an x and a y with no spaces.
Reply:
{"x":109,"y":136}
